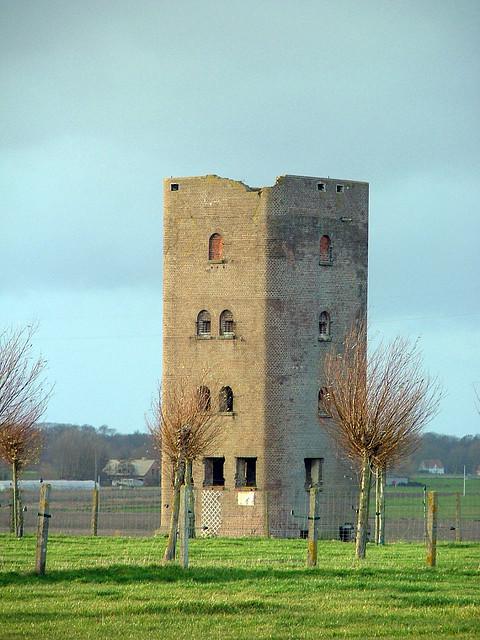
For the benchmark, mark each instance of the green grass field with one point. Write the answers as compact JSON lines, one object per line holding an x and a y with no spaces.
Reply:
{"x":448,"y":484}
{"x":236,"y":588}
{"x":407,"y":502}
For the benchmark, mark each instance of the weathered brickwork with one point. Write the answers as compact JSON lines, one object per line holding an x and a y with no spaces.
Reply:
{"x":272,"y":280}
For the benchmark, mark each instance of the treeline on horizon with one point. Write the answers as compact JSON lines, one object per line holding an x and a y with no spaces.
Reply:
{"x":80,"y":452}
{"x":453,"y":451}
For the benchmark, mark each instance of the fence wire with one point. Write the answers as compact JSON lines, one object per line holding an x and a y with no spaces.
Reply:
{"x":136,"y":512}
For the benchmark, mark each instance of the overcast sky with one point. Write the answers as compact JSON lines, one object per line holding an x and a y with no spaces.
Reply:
{"x":101,"y":99}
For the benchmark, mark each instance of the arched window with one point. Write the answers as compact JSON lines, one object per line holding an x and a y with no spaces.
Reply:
{"x":227,"y":326}
{"x":204,"y":324}
{"x":325,"y":250}
{"x":324,"y":326}
{"x":322,"y":395}
{"x":225,"y":400}
{"x":203,"y":394}
{"x":215,"y":247}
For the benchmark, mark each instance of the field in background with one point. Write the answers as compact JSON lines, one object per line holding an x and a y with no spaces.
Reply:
{"x":407,"y":502}
{"x":450,"y":484}
{"x":136,"y":511}
{"x":98,"y":588}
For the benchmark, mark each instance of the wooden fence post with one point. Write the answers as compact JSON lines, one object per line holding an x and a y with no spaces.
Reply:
{"x":12,"y":511}
{"x":184,"y":525}
{"x":191,"y":499}
{"x":19,"y":516}
{"x":458,"y":518}
{"x":425,"y":513}
{"x":21,"y":520}
{"x":383,"y":481}
{"x":312,"y":527}
{"x":94,"y":522}
{"x":42,"y":530}
{"x":432,"y":508}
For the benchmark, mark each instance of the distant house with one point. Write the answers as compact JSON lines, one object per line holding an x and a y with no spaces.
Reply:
{"x":432,"y":466}
{"x":133,"y":473}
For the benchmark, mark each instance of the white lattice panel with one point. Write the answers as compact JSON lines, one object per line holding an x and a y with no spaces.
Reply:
{"x":211,"y":512}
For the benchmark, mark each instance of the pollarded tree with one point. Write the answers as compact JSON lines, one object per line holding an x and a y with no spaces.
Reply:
{"x":20,"y":445}
{"x":23,"y":400}
{"x":379,"y":403}
{"x":183,"y":427}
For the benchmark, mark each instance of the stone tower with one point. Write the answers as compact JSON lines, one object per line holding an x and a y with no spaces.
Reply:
{"x":259,"y":283}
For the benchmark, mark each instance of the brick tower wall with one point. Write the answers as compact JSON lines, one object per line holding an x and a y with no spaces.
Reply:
{"x":201,"y":207}
{"x":272,"y":282}
{"x":298,"y":289}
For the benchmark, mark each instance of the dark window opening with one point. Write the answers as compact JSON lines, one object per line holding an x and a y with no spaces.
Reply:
{"x":227,"y":325}
{"x":324,"y":325}
{"x":246,"y":472}
{"x":203,"y":394}
{"x":340,"y":188}
{"x":322,"y":395}
{"x":313,"y":472}
{"x":215,"y":247}
{"x":204,"y":324}
{"x":225,"y":400}
{"x":213,"y":468}
{"x":322,"y":186}
{"x":174,"y":186}
{"x":325,"y":250}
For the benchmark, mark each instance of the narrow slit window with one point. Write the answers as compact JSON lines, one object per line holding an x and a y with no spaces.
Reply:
{"x":204,"y":324}
{"x":215,"y":247}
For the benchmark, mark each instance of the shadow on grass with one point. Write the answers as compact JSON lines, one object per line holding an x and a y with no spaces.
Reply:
{"x":125,"y":574}
{"x":188,"y":608}
{"x":130,"y":574}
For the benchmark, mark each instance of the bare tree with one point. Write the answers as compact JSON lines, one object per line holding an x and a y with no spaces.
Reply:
{"x":23,"y":400}
{"x":379,"y":403}
{"x":183,"y":427}
{"x":20,"y":445}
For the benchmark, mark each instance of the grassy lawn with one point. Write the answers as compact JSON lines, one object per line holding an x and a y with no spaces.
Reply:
{"x":447,"y":484}
{"x":407,"y":502}
{"x":236,"y":588}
